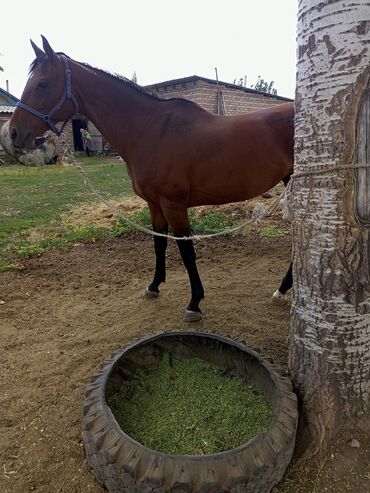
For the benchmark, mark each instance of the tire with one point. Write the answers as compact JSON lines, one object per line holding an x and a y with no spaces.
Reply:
{"x":123,"y":465}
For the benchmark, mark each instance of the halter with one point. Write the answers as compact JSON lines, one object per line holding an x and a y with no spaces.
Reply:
{"x":47,"y":118}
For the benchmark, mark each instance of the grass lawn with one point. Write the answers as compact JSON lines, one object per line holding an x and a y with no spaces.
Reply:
{"x":34,"y":198}
{"x":34,"y":202}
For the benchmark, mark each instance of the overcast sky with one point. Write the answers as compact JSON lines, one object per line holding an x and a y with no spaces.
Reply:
{"x":159,"y":39}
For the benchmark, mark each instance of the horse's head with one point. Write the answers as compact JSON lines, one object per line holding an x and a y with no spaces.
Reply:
{"x":45,"y":98}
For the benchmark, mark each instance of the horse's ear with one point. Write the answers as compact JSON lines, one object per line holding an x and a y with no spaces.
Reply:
{"x":48,"y":49}
{"x":38,"y":51}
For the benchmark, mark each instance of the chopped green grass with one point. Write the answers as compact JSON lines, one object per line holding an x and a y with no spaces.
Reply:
{"x":189,"y":407}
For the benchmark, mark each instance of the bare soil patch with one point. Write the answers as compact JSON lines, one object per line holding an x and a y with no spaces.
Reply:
{"x":64,"y":312}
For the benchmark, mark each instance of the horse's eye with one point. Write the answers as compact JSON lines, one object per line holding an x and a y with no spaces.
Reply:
{"x":43,"y":84}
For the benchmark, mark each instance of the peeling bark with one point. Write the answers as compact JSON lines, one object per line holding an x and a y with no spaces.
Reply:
{"x":330,"y":334}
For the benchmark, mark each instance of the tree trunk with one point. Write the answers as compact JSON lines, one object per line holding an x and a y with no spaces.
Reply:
{"x":330,"y":334}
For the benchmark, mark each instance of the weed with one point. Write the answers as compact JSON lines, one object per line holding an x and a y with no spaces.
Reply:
{"x":271,"y":231}
{"x":210,"y":222}
{"x":319,"y":471}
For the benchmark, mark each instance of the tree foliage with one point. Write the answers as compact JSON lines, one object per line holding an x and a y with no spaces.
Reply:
{"x":264,"y":86}
{"x":261,"y":85}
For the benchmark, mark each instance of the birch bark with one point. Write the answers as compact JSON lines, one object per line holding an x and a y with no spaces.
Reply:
{"x":330,"y":333}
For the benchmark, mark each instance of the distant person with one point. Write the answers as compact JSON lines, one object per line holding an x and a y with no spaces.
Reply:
{"x":86,"y":141}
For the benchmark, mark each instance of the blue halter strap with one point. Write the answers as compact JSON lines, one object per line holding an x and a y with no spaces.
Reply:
{"x":47,"y":118}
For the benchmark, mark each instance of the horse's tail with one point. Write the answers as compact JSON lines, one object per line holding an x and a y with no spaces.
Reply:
{"x":289,"y":122}
{"x":286,"y":179}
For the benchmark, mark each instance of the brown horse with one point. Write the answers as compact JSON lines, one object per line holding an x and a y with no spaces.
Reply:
{"x":178,"y":155}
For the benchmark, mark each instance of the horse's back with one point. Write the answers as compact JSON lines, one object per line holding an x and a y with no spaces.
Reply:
{"x":239,"y":157}
{"x":201,"y":158}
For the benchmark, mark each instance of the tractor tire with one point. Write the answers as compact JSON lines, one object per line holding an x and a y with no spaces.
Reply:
{"x":123,"y":465}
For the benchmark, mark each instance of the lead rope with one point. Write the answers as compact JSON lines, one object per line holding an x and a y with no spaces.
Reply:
{"x":259,"y":213}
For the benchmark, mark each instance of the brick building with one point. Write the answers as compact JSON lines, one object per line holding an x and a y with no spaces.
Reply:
{"x":216,"y":97}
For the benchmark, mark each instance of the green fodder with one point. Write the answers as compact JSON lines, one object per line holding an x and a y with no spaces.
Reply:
{"x":189,"y":407}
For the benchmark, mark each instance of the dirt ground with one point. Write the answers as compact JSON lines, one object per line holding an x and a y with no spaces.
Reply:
{"x":64,"y":312}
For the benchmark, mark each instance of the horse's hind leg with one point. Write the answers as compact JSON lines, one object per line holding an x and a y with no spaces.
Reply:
{"x":280,"y":294}
{"x":160,"y":225}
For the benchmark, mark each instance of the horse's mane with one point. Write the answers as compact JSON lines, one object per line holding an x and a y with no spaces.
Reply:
{"x":133,"y":85}
{"x":124,"y":80}
{"x":137,"y":87}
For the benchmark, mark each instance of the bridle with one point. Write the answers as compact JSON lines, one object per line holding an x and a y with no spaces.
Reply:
{"x":47,"y":118}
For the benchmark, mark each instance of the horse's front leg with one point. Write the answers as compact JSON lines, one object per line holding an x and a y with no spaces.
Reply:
{"x":160,"y":225}
{"x":178,"y":219}
{"x":187,"y":251}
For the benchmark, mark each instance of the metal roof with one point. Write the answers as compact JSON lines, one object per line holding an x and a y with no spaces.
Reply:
{"x":7,"y":95}
{"x":6,"y":109}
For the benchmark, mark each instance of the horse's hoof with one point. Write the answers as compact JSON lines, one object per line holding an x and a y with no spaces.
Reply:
{"x":150,"y":294}
{"x":279,"y":298}
{"x":191,"y":316}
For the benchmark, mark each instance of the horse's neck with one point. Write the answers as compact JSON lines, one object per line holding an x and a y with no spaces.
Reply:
{"x":121,"y":113}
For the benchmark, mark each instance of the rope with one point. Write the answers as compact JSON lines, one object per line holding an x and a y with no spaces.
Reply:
{"x":259,"y":213}
{"x":288,"y":209}
{"x":321,"y":169}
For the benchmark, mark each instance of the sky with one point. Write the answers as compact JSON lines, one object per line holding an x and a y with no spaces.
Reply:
{"x":159,"y":40}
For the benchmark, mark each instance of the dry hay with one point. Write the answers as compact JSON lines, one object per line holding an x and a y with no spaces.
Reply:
{"x":99,"y":214}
